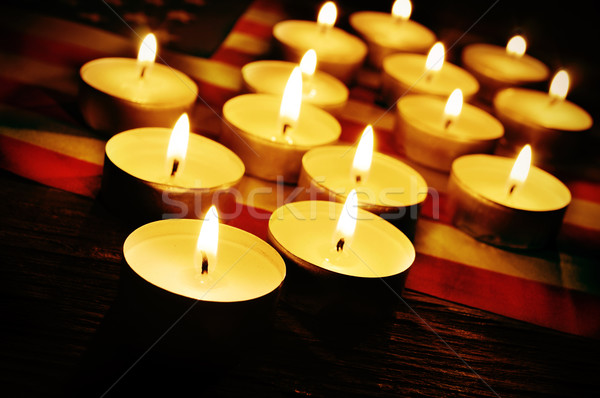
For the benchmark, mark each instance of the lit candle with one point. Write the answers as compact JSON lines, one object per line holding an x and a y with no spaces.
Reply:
{"x":498,"y":67}
{"x":337,"y":255}
{"x":318,"y":88}
{"x":271,"y":134}
{"x":390,"y":33}
{"x":385,"y":185}
{"x":505,"y":202}
{"x":434,"y":132}
{"x":420,"y":74}
{"x":225,"y":280}
{"x":340,"y":54}
{"x":547,"y":121}
{"x":153,"y":172}
{"x":118,"y":94}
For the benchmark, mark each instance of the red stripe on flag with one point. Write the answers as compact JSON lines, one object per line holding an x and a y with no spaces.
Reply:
{"x":550,"y":306}
{"x":253,"y":220}
{"x":255,"y":29}
{"x":48,"y":167}
{"x":233,"y":57}
{"x":214,"y":95}
{"x":268,"y":5}
{"x":578,"y":237}
{"x":352,"y":131}
{"x":585,"y":190}
{"x":363,"y":94}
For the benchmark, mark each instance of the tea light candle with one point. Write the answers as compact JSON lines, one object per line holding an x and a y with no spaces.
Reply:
{"x":118,"y":94}
{"x":225,"y":280}
{"x":502,"y":202}
{"x":340,"y":54}
{"x":385,"y":186}
{"x":271,"y":134}
{"x":336,"y":255}
{"x":420,"y":74}
{"x":318,"y":88}
{"x":547,"y":121}
{"x":153,"y":172}
{"x":497,"y":67}
{"x":390,"y":33}
{"x":434,"y":132}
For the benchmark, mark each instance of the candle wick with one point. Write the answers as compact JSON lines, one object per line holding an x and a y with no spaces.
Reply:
{"x":447,"y":124}
{"x":512,"y":189}
{"x":428,"y":77}
{"x":143,"y":71}
{"x":286,"y":126}
{"x":175,"y":167}
{"x":553,"y":101}
{"x":340,"y":245}
{"x":358,"y":179}
{"x":204,"y":269}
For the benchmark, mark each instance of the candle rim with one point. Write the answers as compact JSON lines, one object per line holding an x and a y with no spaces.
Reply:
{"x":509,"y":163}
{"x":493,"y":49}
{"x":377,"y":157}
{"x":191,"y":93}
{"x":194,"y":140}
{"x":333,"y":123}
{"x":225,"y":231}
{"x":383,"y":225}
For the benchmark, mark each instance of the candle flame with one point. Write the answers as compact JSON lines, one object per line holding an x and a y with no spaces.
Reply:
{"x":363,"y":156}
{"x":147,"y":53}
{"x":435,"y":58}
{"x":520,"y":170}
{"x":178,"y":144}
{"x":291,"y":100}
{"x":327,"y":15}
{"x":344,"y":231}
{"x":560,"y":85}
{"x":205,"y":257}
{"x":453,"y":107}
{"x":516,"y":46}
{"x":402,"y":9}
{"x":308,"y":64}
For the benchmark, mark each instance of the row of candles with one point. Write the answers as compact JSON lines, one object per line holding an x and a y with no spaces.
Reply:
{"x":285,"y":130}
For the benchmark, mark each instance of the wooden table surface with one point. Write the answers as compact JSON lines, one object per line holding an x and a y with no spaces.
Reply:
{"x":61,"y":259}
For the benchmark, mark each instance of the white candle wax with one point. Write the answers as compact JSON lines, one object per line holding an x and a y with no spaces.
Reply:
{"x":163,"y":253}
{"x":391,"y":184}
{"x":339,"y":53}
{"x":385,"y":35}
{"x":404,"y":73}
{"x":304,"y":231}
{"x":495,"y":68}
{"x":252,"y":128}
{"x":487,"y":176}
{"x":114,"y":97}
{"x":422,"y":131}
{"x":270,"y":77}
{"x":142,"y":153}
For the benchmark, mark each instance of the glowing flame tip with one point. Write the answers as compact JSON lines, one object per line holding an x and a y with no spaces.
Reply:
{"x":402,"y":9}
{"x":560,"y":85}
{"x":435,"y":58}
{"x":147,"y":53}
{"x":516,"y":46}
{"x":327,"y":14}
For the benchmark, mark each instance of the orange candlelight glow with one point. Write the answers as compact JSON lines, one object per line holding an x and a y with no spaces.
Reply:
{"x":327,"y":16}
{"x":147,"y":53}
{"x":559,"y":86}
{"x":344,"y":231}
{"x":520,"y":170}
{"x":516,"y":46}
{"x":205,"y":257}
{"x":178,"y":144}
{"x":291,"y":102}
{"x":435,"y":59}
{"x":363,"y":156}
{"x":401,"y":10}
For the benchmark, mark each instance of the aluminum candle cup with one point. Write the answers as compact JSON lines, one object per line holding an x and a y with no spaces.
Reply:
{"x":495,"y":69}
{"x":393,"y":190}
{"x":421,"y":131}
{"x":480,"y":205}
{"x":113,"y":97}
{"x":137,"y":185}
{"x":270,"y":77}
{"x":405,"y":73}
{"x":251,"y":129}
{"x":385,"y":36}
{"x":339,"y":53}
{"x":348,"y":284}
{"x":553,"y":129}
{"x":160,"y":283}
